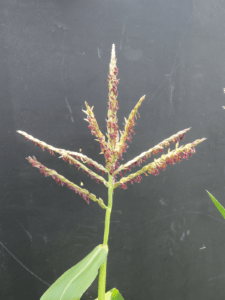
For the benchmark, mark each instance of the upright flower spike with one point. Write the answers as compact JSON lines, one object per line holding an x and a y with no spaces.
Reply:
{"x":112,"y":126}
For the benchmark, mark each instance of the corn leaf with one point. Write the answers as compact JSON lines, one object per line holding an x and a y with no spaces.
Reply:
{"x":113,"y":294}
{"x":74,"y":282}
{"x":217,"y":204}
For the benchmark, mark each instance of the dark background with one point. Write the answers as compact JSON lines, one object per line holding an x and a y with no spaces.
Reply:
{"x":167,"y":240}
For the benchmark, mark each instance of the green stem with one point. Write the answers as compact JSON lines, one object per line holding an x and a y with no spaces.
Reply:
{"x":102,"y":272}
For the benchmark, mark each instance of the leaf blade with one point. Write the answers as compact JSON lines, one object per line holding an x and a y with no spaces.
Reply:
{"x":75,"y":281}
{"x":113,"y":294}
{"x":217,"y":204}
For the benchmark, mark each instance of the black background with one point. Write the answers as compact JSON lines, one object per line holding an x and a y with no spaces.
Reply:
{"x":167,"y":239}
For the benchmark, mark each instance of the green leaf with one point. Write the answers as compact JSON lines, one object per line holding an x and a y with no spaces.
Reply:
{"x":113,"y":294}
{"x":218,"y":205}
{"x":74,"y":282}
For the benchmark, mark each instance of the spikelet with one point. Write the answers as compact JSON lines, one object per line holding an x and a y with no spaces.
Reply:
{"x":69,"y":158}
{"x":183,"y":152}
{"x":61,"y":180}
{"x":155,"y":150}
{"x":93,"y":125}
{"x":128,"y":130}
